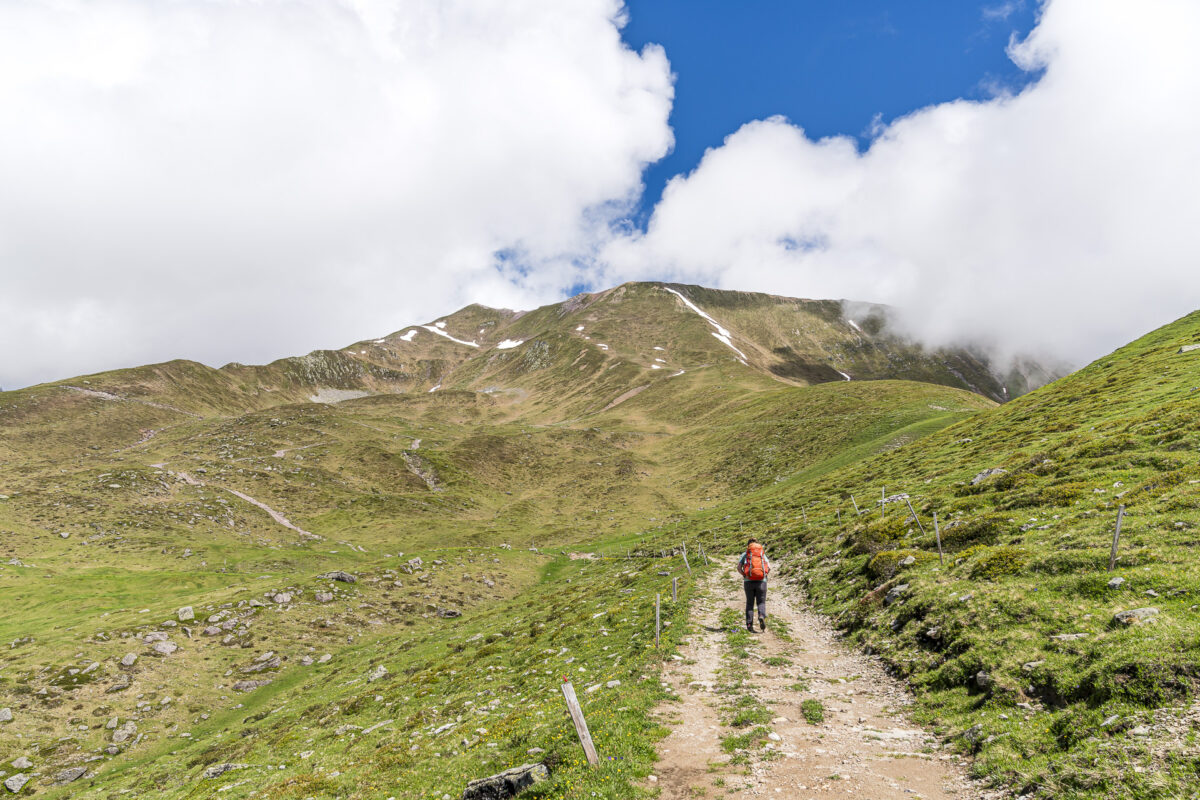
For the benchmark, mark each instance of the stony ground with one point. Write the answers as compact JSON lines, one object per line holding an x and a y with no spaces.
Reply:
{"x":864,"y":747}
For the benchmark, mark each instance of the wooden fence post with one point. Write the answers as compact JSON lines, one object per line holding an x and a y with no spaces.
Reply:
{"x":686,"y":564}
{"x":581,"y":728}
{"x":857,"y":510}
{"x":674,"y":590}
{"x":1112,"y":557}
{"x":918,"y":519}
{"x":938,"y":532}
{"x":657,"y":624}
{"x":839,"y":513}
{"x":882,"y":500}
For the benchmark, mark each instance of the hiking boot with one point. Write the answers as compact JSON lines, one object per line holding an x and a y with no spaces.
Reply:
{"x":762,"y":623}
{"x":750,"y":627}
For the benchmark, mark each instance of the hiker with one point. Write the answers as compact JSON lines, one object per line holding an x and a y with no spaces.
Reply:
{"x":754,"y":568}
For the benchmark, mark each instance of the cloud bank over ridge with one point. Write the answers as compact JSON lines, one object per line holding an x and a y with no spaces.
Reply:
{"x":234,"y":180}
{"x":1061,"y":220}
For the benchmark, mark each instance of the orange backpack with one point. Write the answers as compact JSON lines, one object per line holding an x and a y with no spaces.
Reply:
{"x":756,"y":563}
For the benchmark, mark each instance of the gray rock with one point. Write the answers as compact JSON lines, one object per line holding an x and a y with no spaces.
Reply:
{"x":306,"y":661}
{"x":378,"y":673}
{"x":69,"y":775}
{"x":22,"y":763}
{"x":895,"y":593}
{"x":983,"y":680}
{"x":1068,"y":637}
{"x":1140,"y":730}
{"x":283,"y":598}
{"x":324,"y":597}
{"x":1150,"y":593}
{"x":165,"y":648}
{"x":1110,"y":721}
{"x":448,"y":613}
{"x":249,"y":686}
{"x":973,"y":734}
{"x":6,"y":715}
{"x":212,"y":630}
{"x":184,"y":614}
{"x":125,"y":732}
{"x":155,"y":636}
{"x":123,"y":682}
{"x":1135,"y":615}
{"x":507,"y":784}
{"x":338,"y":575}
{"x":16,"y":783}
{"x":908,"y":561}
{"x":217,"y":770}
{"x":987,"y":473}
{"x":325,"y":658}
{"x":129,"y":659}
{"x":1187,"y":348}
{"x":1115,"y":583}
{"x":1030,"y":666}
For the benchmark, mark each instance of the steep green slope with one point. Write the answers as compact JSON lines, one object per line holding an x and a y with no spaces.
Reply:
{"x":1018,"y":643}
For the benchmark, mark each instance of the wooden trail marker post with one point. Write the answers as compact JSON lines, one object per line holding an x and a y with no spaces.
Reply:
{"x":581,"y":728}
{"x":918,"y":519}
{"x":1112,"y":557}
{"x":674,"y":590}
{"x":657,"y":624}
{"x":938,"y":532}
{"x":857,"y":510}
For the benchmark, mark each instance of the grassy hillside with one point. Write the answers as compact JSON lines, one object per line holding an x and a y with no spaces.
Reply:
{"x":1018,"y":644}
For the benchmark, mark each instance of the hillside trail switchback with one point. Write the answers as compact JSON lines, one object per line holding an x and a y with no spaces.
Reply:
{"x":864,"y":748}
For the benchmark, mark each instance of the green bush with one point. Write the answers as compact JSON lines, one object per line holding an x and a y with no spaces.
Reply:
{"x":884,"y":565}
{"x":984,"y":529}
{"x":813,"y":711}
{"x":997,"y":562}
{"x":1063,"y":494}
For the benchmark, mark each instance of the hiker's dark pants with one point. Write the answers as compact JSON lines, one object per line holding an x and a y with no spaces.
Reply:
{"x":756,"y":592}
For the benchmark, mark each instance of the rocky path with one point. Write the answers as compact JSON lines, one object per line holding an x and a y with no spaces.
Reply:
{"x":863,"y":748}
{"x":275,"y":515}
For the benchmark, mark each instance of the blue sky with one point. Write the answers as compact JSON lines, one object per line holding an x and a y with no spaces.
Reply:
{"x":830,"y":67}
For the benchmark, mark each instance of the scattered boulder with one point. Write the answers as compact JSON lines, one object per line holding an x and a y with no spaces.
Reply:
{"x":212,"y":630}
{"x":155,"y":636}
{"x":895,"y":593}
{"x":1135,"y":616}
{"x":507,"y":784}
{"x":122,"y":683}
{"x":1030,"y":666}
{"x":249,"y":686}
{"x":1187,"y":348}
{"x":69,"y":775}
{"x":22,"y":763}
{"x":165,"y":648}
{"x":1115,"y":583}
{"x":987,"y":473}
{"x":283,"y":598}
{"x":125,"y":732}
{"x":448,"y":613}
{"x":324,"y":597}
{"x":17,"y":782}
{"x":6,"y":715}
{"x":378,"y":673}
{"x":983,"y":681}
{"x":1068,"y":637}
{"x":325,"y":658}
{"x":184,"y":614}
{"x":338,"y":575}
{"x":908,"y":561}
{"x":973,"y":735}
{"x":217,"y":770}
{"x":129,"y":659}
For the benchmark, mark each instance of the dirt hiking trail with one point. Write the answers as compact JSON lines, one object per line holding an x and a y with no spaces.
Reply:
{"x":864,"y":747}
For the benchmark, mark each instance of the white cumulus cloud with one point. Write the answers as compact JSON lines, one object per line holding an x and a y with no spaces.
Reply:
{"x":246,"y":179}
{"x":1061,"y":220}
